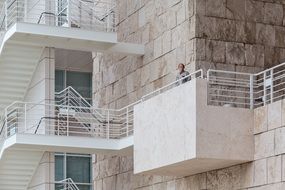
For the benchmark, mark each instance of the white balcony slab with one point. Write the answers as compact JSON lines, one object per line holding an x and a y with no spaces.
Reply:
{"x":178,"y":134}
{"x":71,"y":144}
{"x":69,"y":38}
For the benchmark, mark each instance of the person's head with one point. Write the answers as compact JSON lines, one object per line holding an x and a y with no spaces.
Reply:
{"x":181,"y":67}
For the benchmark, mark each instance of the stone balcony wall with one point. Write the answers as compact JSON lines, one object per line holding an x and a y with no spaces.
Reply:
{"x":266,"y":172}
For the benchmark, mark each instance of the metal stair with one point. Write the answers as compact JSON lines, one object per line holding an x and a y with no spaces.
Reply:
{"x":17,"y":168}
{"x":17,"y":65}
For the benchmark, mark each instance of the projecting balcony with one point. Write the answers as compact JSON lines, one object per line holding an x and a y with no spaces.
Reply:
{"x":28,"y":27}
{"x":177,"y":133}
{"x":66,"y":24}
{"x":204,"y":124}
{"x":70,"y":125}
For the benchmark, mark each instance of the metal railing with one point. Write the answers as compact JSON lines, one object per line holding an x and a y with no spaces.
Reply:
{"x":66,"y":184}
{"x":59,"y":120}
{"x":246,"y":90}
{"x":98,"y":15}
{"x":189,"y":77}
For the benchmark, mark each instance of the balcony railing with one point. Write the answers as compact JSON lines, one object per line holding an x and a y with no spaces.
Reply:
{"x":58,"y":120}
{"x":71,"y":115}
{"x":98,"y":15}
{"x":246,"y":90}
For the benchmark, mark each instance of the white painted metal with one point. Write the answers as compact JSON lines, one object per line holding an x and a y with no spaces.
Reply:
{"x":246,"y":90}
{"x":92,"y":15}
{"x":14,"y":74}
{"x":193,"y":75}
{"x":17,"y":168}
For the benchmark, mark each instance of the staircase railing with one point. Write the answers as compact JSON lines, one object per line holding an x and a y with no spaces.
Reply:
{"x":61,"y":120}
{"x":98,"y":15}
{"x":66,"y":184}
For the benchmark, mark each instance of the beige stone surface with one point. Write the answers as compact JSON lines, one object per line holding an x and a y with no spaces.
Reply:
{"x":274,"y":115}
{"x":274,"y":169}
{"x":260,"y":119}
{"x":264,"y":145}
{"x":238,"y":35}
{"x":260,"y":172}
{"x":198,"y":144}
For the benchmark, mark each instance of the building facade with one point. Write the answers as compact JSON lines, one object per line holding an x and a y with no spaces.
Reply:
{"x":89,"y":97}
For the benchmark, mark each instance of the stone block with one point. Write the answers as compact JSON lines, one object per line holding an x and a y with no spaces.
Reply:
{"x":109,"y":183}
{"x":98,"y":184}
{"x":280,"y":36}
{"x":274,"y":169}
{"x":260,"y":172}
{"x":142,"y":17}
{"x":274,"y":115}
{"x":181,"y":14}
{"x":216,"y":51}
{"x":265,"y":34}
{"x":125,"y":181}
{"x":254,"y":11}
{"x":126,"y":164}
{"x":235,"y":9}
{"x":254,"y":55}
{"x":197,"y":182}
{"x":235,"y":53}
{"x":166,"y":42}
{"x":157,"y":47}
{"x":273,"y":13}
{"x":280,"y":141}
{"x":247,"y":175}
{"x":260,"y":119}
{"x":216,"y":8}
{"x":264,"y":145}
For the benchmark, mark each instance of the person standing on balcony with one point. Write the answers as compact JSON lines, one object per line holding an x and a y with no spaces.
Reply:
{"x":182,"y":76}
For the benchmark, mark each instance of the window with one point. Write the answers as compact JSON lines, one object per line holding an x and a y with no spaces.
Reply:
{"x":80,"y":81}
{"x":76,"y":167}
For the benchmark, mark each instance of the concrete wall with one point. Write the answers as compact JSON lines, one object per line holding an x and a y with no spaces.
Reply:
{"x":41,"y":91}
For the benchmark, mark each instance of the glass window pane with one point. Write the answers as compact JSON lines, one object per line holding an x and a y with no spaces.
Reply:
{"x":84,"y":187}
{"x":59,"y":80}
{"x":78,"y":169}
{"x":81,"y":82}
{"x":59,"y":168}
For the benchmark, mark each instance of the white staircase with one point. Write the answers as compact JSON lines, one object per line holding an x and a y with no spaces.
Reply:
{"x":17,"y":65}
{"x":17,"y":168}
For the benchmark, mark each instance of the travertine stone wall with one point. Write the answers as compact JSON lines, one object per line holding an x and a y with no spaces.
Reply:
{"x":266,"y":172}
{"x":240,"y":35}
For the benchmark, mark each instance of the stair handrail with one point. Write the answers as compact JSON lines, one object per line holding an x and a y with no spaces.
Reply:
{"x":70,"y":183}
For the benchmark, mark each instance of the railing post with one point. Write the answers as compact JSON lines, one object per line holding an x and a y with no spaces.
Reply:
{"x":264,"y":88}
{"x":6,"y":16}
{"x":6,"y":123}
{"x":25,"y":113}
{"x":127,"y":120}
{"x":251,"y":92}
{"x":108,"y":125}
{"x":68,"y":13}
{"x":67,"y":123}
{"x":271,"y":85}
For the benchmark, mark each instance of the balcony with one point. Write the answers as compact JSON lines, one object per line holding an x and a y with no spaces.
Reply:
{"x":27,"y":27}
{"x":70,"y":125}
{"x":204,"y":124}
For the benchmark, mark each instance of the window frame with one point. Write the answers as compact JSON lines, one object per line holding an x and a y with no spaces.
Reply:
{"x":65,"y":155}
